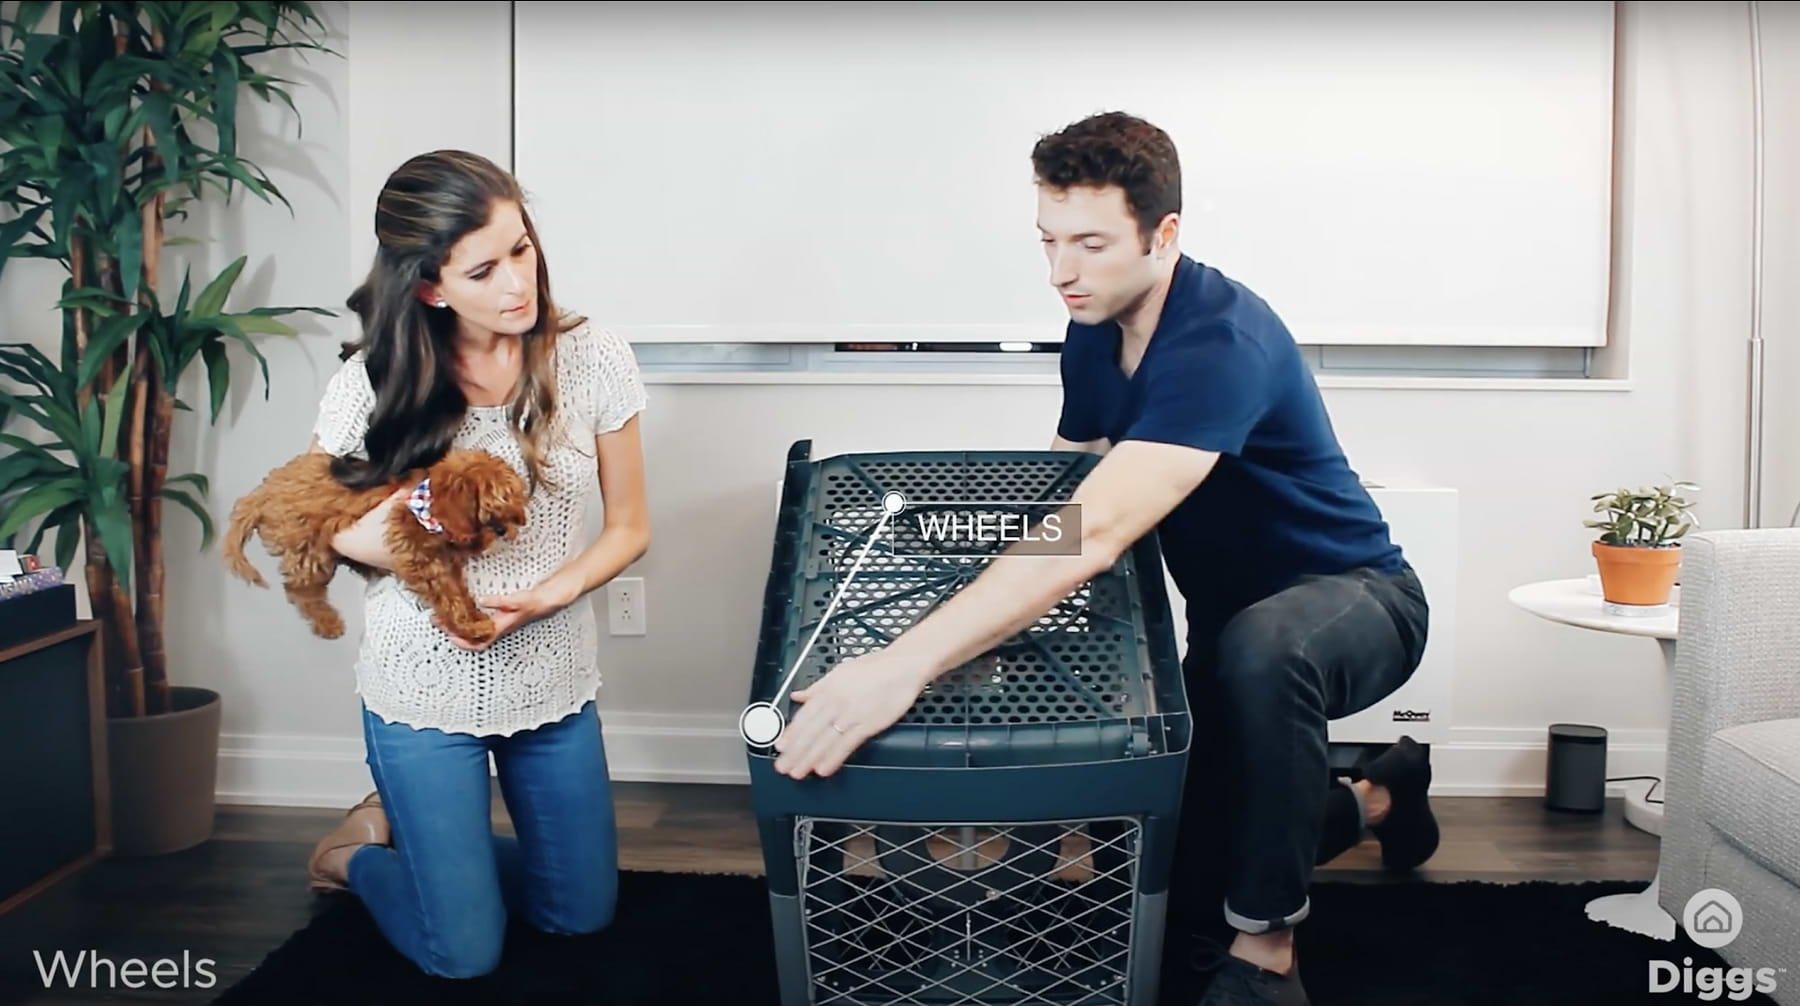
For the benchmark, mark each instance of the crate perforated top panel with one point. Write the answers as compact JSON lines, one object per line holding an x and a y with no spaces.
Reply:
{"x":1085,"y":661}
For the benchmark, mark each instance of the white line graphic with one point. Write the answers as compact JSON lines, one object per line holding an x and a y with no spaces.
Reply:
{"x":761,"y":722}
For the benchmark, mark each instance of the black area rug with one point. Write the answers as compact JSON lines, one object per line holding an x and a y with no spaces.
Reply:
{"x":684,"y":939}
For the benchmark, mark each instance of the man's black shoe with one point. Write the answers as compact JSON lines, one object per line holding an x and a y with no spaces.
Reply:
{"x":1241,"y":983}
{"x":1409,"y":833}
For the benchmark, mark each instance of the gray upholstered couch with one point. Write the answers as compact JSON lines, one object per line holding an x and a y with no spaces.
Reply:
{"x":1732,"y":811}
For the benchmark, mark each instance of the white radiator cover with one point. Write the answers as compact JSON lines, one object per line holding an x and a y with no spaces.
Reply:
{"x":1422,"y":520}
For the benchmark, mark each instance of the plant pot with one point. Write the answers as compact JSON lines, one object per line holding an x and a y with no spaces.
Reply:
{"x":1637,"y":574}
{"x":164,"y":771}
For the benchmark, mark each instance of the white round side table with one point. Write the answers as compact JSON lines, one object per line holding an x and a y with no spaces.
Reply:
{"x":1578,"y":602}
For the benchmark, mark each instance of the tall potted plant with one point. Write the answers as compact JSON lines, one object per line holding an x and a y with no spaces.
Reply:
{"x":110,"y":124}
{"x":1639,"y":550}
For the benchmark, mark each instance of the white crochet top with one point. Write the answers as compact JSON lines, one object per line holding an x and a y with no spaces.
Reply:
{"x":407,"y":670}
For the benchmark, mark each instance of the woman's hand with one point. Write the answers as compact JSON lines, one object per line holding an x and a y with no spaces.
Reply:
{"x":513,"y":610}
{"x":366,"y":540}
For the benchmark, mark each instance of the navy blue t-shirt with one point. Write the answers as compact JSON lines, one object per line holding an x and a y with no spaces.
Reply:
{"x":1222,"y":373}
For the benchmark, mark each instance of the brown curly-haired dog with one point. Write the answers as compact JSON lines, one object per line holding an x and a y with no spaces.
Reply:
{"x":299,"y":508}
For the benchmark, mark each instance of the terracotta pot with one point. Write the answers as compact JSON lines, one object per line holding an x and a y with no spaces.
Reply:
{"x":1637,"y":574}
{"x":163,"y":771}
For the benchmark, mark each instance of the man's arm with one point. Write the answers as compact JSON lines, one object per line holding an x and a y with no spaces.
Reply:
{"x":1133,"y":487}
{"x":1057,"y":443}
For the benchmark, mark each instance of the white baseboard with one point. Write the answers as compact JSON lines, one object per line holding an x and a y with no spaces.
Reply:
{"x":291,"y":770}
{"x":1509,"y":761}
{"x":303,"y":771}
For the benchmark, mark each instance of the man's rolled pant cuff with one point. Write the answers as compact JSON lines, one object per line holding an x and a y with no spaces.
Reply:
{"x":1245,"y":924}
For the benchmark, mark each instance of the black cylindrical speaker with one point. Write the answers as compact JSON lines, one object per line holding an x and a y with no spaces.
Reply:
{"x":1575,"y":771}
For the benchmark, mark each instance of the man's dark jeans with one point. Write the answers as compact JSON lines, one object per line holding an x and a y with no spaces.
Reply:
{"x":1263,"y":686}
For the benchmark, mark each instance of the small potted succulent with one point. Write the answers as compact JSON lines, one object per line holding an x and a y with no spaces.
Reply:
{"x":1639,"y":551}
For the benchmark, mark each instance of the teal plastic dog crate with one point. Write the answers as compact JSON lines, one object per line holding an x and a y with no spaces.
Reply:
{"x":1009,"y":840}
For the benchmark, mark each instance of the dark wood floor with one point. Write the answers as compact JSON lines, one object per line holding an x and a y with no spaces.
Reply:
{"x":239,"y":895}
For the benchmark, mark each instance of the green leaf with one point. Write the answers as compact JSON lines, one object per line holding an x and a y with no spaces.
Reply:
{"x":200,"y":44}
{"x":47,"y":413}
{"x":182,"y":300}
{"x":69,"y":192}
{"x":162,"y":124}
{"x":39,"y":500}
{"x":21,"y":444}
{"x":12,"y":231}
{"x":68,"y":535}
{"x":218,"y":374}
{"x":114,"y":122}
{"x":199,"y":481}
{"x":32,"y":360}
{"x":206,"y":524}
{"x":96,"y":299}
{"x":234,"y":168}
{"x":113,"y":522}
{"x":225,"y":91}
{"x":261,"y":361}
{"x":91,"y":422}
{"x":38,"y":50}
{"x":129,"y":236}
{"x":50,"y":134}
{"x":115,"y":410}
{"x":29,"y":14}
{"x":57,"y":517}
{"x":212,"y":298}
{"x":262,"y":324}
{"x":111,"y":335}
{"x":16,"y":468}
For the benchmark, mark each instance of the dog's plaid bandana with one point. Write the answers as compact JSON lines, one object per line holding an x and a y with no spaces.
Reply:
{"x":420,"y":505}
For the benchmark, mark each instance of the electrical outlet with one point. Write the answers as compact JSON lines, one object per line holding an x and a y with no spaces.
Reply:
{"x":625,"y":606}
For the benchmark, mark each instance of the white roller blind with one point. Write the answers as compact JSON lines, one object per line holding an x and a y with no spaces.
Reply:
{"x":1381,"y":174}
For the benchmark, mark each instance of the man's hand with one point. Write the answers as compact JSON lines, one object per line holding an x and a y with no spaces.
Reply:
{"x":513,"y":610}
{"x":854,"y":701}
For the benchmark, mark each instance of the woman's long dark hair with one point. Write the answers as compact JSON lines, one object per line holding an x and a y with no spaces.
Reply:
{"x":409,"y":348}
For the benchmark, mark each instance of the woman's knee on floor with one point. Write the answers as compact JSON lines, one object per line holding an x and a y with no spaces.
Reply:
{"x":468,"y":946}
{"x":591,"y":912}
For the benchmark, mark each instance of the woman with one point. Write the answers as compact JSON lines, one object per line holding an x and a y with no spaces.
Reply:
{"x":463,"y":346}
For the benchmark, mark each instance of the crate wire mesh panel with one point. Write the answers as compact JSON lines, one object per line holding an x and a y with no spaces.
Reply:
{"x":1008,"y":840}
{"x":907,"y":914}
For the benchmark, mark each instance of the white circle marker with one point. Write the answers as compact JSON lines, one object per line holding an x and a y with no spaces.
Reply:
{"x":893,"y":503}
{"x":760,"y":724}
{"x":1713,"y":918}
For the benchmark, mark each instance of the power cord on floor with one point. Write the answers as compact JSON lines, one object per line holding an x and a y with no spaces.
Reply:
{"x":1642,"y":778}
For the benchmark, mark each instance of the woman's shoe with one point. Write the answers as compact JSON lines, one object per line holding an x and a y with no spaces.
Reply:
{"x":364,"y":824}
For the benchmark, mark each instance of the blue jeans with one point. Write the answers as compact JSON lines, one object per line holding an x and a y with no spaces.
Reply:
{"x":442,"y":894}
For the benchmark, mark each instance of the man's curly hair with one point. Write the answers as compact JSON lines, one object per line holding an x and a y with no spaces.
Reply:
{"x":1114,"y":148}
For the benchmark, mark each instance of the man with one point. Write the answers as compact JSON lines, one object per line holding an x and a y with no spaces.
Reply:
{"x":1300,"y":609}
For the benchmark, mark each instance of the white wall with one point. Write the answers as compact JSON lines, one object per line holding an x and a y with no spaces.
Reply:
{"x":1781,"y":263}
{"x":1525,"y":460}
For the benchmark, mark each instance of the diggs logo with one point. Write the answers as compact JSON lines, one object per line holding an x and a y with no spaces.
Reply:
{"x":1710,"y":983}
{"x":1712,"y":918}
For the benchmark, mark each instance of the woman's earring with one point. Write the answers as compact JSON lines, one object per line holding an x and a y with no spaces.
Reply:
{"x":441,"y":303}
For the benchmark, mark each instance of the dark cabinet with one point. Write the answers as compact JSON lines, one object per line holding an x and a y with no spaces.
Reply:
{"x":54,"y":804}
